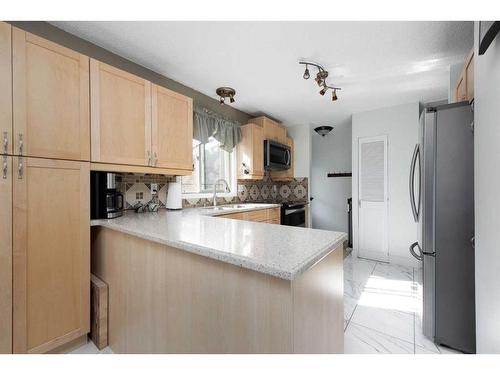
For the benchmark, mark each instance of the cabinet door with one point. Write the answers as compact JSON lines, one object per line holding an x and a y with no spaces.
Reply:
{"x":6,"y":87}
{"x":258,"y":150}
{"x":51,"y":253}
{"x":120,"y":116}
{"x":6,"y":255}
{"x":250,"y":152}
{"x":50,"y":99}
{"x":460,"y":93}
{"x":469,"y":77}
{"x":172,"y":126}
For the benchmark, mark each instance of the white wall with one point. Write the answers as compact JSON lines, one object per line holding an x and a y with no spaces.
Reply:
{"x":487,"y":195}
{"x":400,"y":124}
{"x":331,"y":153}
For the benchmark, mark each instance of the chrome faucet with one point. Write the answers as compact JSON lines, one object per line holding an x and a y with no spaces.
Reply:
{"x":228,"y":190}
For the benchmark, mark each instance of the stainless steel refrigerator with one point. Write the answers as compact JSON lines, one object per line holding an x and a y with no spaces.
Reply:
{"x":442,"y":200}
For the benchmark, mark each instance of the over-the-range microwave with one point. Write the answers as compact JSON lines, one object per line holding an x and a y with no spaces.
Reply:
{"x":277,"y":156}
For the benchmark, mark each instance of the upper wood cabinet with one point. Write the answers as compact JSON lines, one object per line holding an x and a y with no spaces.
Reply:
{"x":137,"y":123}
{"x":6,"y":88}
{"x":50,"y":99}
{"x":172,"y":129}
{"x":6,"y":255}
{"x":273,"y":130}
{"x":464,"y":89}
{"x":51,"y":253}
{"x":250,"y":153}
{"x":120,"y":116}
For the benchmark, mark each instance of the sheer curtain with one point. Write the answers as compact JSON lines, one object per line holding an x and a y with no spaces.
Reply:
{"x":207,"y":124}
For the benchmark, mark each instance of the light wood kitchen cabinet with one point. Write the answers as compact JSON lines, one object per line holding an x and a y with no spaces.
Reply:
{"x":6,"y":255}
{"x":172,"y":129}
{"x":273,"y":130}
{"x":250,"y":153}
{"x":51,"y":253}
{"x":267,"y":215}
{"x":464,"y":89}
{"x":50,"y":99}
{"x":120,"y":116}
{"x":6,"y":85}
{"x":288,"y":174}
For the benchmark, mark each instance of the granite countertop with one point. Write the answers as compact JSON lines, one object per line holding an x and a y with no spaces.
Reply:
{"x":278,"y":250}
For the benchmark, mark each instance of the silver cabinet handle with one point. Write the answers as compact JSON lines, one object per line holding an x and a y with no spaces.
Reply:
{"x":21,"y":143}
{"x":155,"y":159}
{"x":20,"y":168}
{"x":5,"y":142}
{"x":5,"y":167}
{"x":149,"y":158}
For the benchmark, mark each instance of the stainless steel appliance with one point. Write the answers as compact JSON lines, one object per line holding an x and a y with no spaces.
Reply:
{"x":293,"y":214}
{"x":105,"y":199}
{"x":442,"y":200}
{"x":277,"y":156}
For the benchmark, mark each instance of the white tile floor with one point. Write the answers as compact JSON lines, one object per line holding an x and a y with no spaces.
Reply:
{"x":382,"y":309}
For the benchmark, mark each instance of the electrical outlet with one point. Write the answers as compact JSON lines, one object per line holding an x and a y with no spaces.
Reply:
{"x":154,"y":189}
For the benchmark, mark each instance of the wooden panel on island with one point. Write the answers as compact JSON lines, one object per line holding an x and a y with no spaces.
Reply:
{"x":267,"y":215}
{"x":167,"y":300}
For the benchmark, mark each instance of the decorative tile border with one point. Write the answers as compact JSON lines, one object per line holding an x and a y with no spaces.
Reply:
{"x":137,"y":189}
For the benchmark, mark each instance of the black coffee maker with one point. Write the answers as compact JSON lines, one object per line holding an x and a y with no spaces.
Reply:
{"x":106,"y":200}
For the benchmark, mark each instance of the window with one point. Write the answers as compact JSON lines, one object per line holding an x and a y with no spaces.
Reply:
{"x":210,"y":163}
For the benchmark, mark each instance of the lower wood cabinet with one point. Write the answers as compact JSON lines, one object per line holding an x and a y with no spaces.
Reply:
{"x":6,"y":255}
{"x":51,"y":253}
{"x":267,"y":215}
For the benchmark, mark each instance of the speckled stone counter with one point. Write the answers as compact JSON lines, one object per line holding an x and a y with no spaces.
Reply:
{"x":277,"y":250}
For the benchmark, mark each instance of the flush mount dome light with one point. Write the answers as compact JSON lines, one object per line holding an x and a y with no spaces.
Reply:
{"x":226,"y":92}
{"x":323,"y":130}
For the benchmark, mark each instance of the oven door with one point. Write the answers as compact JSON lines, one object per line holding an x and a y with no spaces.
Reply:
{"x":295,"y":217}
{"x":277,"y":156}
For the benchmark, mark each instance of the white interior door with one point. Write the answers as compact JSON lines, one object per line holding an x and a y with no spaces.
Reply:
{"x":372,"y":195}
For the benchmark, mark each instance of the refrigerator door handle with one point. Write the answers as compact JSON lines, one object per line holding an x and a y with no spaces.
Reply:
{"x":414,"y":208}
{"x":412,"y":251}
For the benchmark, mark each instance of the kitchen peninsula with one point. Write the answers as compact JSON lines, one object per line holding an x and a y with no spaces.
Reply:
{"x":192,"y":282}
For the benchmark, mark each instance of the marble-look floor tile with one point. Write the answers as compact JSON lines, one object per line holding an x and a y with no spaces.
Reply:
{"x":393,"y":272}
{"x":422,"y":341}
{"x":90,"y":348}
{"x":352,"y":293}
{"x":390,"y":322}
{"x":362,"y":340}
{"x":419,"y":350}
{"x":445,"y":350}
{"x":358,"y":269}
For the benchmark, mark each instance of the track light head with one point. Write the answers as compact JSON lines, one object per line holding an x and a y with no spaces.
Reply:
{"x":306,"y":73}
{"x":334,"y":95}
{"x":323,"y":90}
{"x":225,"y":92}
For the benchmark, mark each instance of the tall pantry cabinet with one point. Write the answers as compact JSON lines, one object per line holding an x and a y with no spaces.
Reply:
{"x":45,"y":178}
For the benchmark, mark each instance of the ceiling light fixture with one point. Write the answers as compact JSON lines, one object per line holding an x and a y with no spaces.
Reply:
{"x":320,"y":79}
{"x":224,"y":93}
{"x":323,"y":130}
{"x":306,"y":73}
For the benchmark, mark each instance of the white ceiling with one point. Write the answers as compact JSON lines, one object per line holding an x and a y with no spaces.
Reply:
{"x":377,"y":64}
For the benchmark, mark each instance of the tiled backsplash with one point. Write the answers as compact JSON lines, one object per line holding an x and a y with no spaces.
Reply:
{"x":137,"y":189}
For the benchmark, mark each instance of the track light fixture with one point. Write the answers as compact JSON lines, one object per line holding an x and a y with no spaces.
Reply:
{"x":225,"y":92}
{"x":320,"y":79}
{"x":306,"y":73}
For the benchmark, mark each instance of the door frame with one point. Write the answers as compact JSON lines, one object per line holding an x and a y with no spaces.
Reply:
{"x":361,"y":140}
